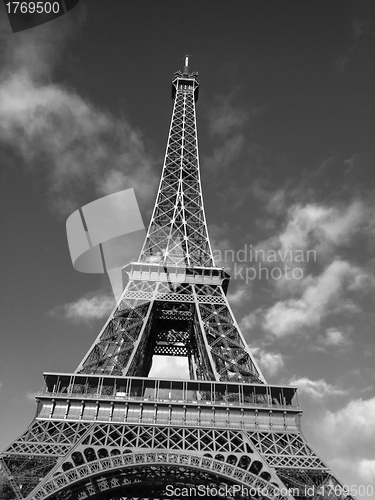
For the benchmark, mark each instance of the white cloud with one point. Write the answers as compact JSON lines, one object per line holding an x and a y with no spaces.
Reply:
{"x":239,"y":296}
{"x":353,"y":425}
{"x":226,"y":123}
{"x":316,"y":389}
{"x":367,"y":470}
{"x":276,"y":202}
{"x":225,"y":154}
{"x":365,"y":281}
{"x":220,"y":245}
{"x":224,"y":117}
{"x":315,"y":230}
{"x":321,"y":295}
{"x":351,"y":163}
{"x":356,"y":473}
{"x":322,"y":227}
{"x":74,"y":144}
{"x":335,"y":337}
{"x":250,"y":320}
{"x":333,"y":340}
{"x":351,"y":450}
{"x":88,"y":308}
{"x":359,"y":28}
{"x":271,"y":363}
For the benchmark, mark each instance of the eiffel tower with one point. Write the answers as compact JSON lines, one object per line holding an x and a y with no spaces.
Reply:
{"x":108,"y":431}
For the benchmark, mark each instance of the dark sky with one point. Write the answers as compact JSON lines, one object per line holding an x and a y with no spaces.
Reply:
{"x":286,"y":135}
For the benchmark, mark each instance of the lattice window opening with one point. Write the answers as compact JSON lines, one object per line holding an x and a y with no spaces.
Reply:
{"x":196,"y":439}
{"x":38,"y":449}
{"x":165,"y":205}
{"x":195,"y":221}
{"x":208,"y":290}
{"x":281,"y":444}
{"x":194,"y":216}
{"x":131,"y":310}
{"x":141,"y":286}
{"x":161,"y":221}
{"x":58,"y":432}
{"x":170,"y":181}
{"x":192,"y":194}
{"x":169,"y":186}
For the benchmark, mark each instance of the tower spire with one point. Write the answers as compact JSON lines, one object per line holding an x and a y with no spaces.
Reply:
{"x":186,"y":68}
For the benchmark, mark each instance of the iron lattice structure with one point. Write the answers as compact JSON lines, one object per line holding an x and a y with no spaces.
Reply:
{"x":108,"y":431}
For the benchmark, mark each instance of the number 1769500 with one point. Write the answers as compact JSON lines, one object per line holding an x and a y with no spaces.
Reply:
{"x":33,"y":7}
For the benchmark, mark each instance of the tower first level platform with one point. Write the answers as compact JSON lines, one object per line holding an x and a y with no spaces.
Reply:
{"x":87,"y":423}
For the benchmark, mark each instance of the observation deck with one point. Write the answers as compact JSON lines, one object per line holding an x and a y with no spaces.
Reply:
{"x":174,"y":402}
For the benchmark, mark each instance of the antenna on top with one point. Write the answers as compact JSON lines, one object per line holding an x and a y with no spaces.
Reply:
{"x":186,"y":68}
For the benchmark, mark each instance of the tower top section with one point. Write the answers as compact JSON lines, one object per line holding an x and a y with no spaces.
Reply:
{"x":185,"y":81}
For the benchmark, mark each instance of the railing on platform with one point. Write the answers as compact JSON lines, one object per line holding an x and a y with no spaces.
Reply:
{"x":178,"y":391}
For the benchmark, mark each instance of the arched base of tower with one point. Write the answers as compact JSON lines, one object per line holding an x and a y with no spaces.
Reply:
{"x":165,"y":475}
{"x":153,"y":482}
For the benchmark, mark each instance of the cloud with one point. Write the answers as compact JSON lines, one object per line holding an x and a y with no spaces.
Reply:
{"x":271,"y":363}
{"x":239,"y":296}
{"x":316,"y":389}
{"x":312,"y":237}
{"x":315,"y":226}
{"x":88,"y":308}
{"x":252,"y":319}
{"x":311,"y":241}
{"x":226,"y":124}
{"x":333,"y":340}
{"x":335,"y":337}
{"x":220,"y":244}
{"x":353,"y":424}
{"x":224,"y":117}
{"x":359,"y":474}
{"x":322,"y":227}
{"x":77,"y":147}
{"x":359,"y":28}
{"x":351,"y":163}
{"x":321,"y":295}
{"x":367,"y":470}
{"x":225,"y":154}
{"x":274,"y":201}
{"x":352,"y":452}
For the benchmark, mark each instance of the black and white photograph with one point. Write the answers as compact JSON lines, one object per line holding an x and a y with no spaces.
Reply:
{"x":187,"y":249}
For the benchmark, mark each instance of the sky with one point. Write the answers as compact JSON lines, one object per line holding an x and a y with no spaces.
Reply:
{"x":286,"y":122}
